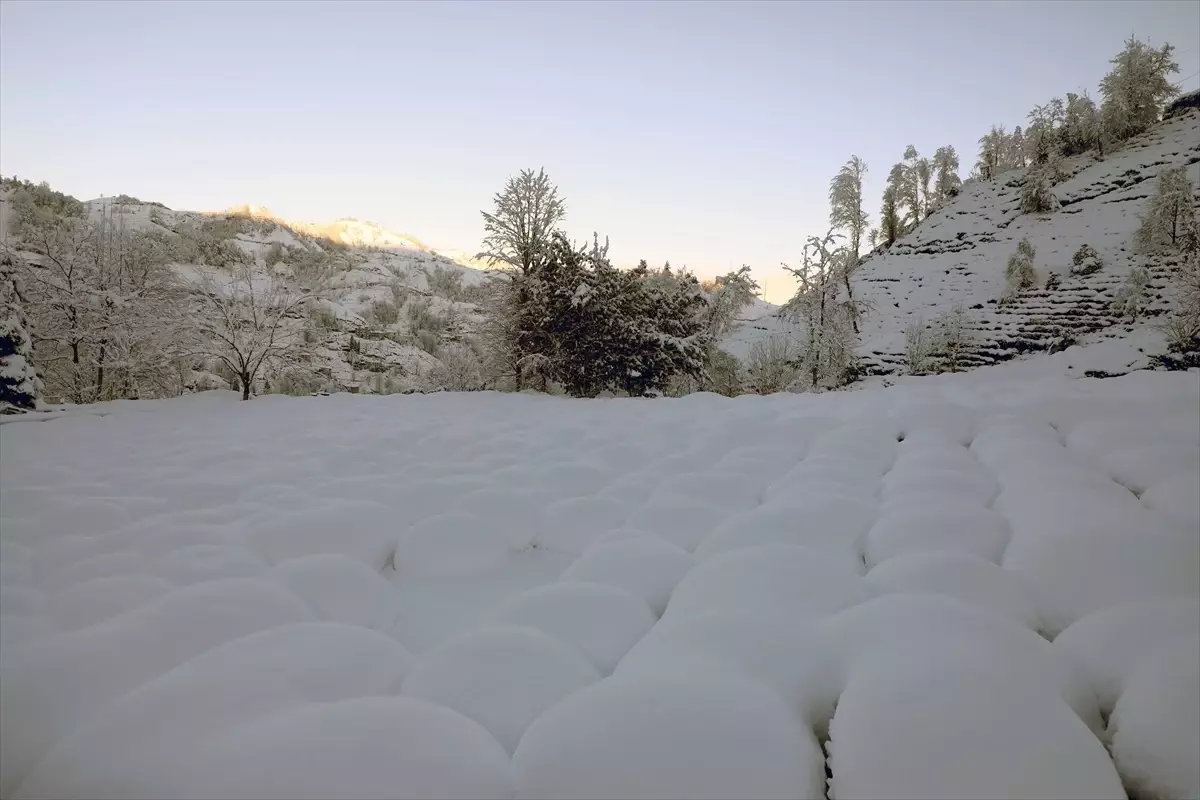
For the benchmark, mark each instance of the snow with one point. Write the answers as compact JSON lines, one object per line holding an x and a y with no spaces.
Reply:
{"x":498,"y":595}
{"x":1155,"y":737}
{"x":603,"y":622}
{"x":503,"y":678}
{"x":692,"y":735}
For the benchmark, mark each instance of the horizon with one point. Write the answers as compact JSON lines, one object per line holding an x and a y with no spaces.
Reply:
{"x":687,"y":138}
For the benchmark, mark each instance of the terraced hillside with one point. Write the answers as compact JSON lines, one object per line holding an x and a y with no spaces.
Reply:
{"x":957,"y":256}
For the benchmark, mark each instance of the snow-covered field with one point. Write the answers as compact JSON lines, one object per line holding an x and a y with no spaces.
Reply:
{"x":980,"y":585}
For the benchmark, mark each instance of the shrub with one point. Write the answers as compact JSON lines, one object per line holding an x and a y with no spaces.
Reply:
{"x":295,"y":382}
{"x":1036,"y":194}
{"x":954,"y":336}
{"x":773,"y":364}
{"x":324,"y":319}
{"x":918,"y":346}
{"x":1086,"y":261}
{"x":1130,"y":299}
{"x":1019,"y":273}
{"x":459,"y":369}
{"x":1053,"y":281}
{"x":383,"y":313}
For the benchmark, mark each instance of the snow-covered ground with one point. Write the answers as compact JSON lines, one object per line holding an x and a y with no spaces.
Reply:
{"x":978,"y":585}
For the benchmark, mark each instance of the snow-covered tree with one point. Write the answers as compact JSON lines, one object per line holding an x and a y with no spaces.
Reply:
{"x":20,"y":386}
{"x":909,"y":187}
{"x":1019,"y":272}
{"x":1131,"y":298}
{"x":1081,"y":125}
{"x":829,"y":342}
{"x":918,"y":346}
{"x":110,"y":314}
{"x":1014,"y":154}
{"x":924,"y":178}
{"x":1182,"y":324}
{"x":1134,"y":91}
{"x":519,"y":234}
{"x":846,"y":212}
{"x":519,"y":229}
{"x":248,"y":323}
{"x":992,"y":153}
{"x":1170,"y":218}
{"x":1043,"y":136}
{"x":890,"y":226}
{"x":954,"y":336}
{"x":1036,"y":195}
{"x":946,"y":183}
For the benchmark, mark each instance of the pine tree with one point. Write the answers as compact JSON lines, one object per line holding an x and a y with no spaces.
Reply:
{"x":1015,"y":152}
{"x":1134,"y":91}
{"x":20,"y":387}
{"x":910,"y":186}
{"x":991,"y":153}
{"x":924,"y":177}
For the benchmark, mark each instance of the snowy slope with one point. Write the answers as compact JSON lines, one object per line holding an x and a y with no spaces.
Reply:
{"x":960,"y":586}
{"x":957,"y":257}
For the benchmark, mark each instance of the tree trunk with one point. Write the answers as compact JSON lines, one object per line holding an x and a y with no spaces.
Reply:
{"x":245,"y":379}
{"x":100,"y":372}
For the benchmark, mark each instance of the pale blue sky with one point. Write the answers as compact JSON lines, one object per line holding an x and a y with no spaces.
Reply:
{"x":705,"y":133}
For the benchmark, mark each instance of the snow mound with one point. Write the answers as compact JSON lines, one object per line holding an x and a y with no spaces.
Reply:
{"x":371,"y":747}
{"x":830,"y":522}
{"x":572,"y":524}
{"x":455,"y":543}
{"x":503,"y":678}
{"x":964,"y":577}
{"x":339,"y":589}
{"x":659,"y":737}
{"x":679,"y":521}
{"x":755,"y":581}
{"x":923,"y":629}
{"x":603,"y":622}
{"x":937,"y":526}
{"x":1111,"y":643}
{"x":1155,"y":737}
{"x":141,"y":745}
{"x":364,"y":530}
{"x":644,"y":566}
{"x":933,"y":729}
{"x":55,"y":683}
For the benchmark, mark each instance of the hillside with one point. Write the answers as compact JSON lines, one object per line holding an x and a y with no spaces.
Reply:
{"x":392,"y":307}
{"x":957,"y":257}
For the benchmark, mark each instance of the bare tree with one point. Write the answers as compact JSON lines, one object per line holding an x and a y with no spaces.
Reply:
{"x":248,"y":323}
{"x":527,"y":212}
{"x":518,"y":234}
{"x":829,"y":346}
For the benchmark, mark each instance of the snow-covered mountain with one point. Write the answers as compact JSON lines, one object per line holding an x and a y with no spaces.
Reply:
{"x":958,"y":254}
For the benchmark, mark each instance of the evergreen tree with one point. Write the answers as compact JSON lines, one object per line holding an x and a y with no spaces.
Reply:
{"x":1036,"y":195}
{"x":1081,"y":125}
{"x":20,"y":387}
{"x":1134,"y":91}
{"x":910,"y":186}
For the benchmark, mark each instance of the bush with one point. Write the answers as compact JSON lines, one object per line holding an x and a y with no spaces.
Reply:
{"x":295,"y":382}
{"x":383,"y":313}
{"x":1036,"y":194}
{"x":422,"y":317}
{"x":918,"y":346}
{"x":1053,"y":281}
{"x":459,"y":369}
{"x":1019,"y":273}
{"x":1130,"y":300}
{"x":324,"y":319}
{"x":773,"y":364}
{"x":1086,"y":261}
